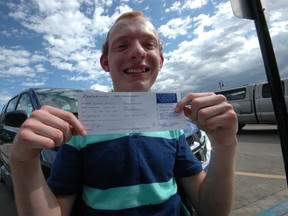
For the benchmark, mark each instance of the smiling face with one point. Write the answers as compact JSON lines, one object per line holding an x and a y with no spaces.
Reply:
{"x":134,"y":58}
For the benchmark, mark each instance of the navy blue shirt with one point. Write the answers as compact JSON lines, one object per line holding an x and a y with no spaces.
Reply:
{"x":125,"y":174}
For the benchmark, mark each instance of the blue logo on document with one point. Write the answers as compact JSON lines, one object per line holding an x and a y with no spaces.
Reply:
{"x":166,"y":98}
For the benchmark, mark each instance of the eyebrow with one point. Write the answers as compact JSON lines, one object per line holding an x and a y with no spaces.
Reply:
{"x":145,"y":36}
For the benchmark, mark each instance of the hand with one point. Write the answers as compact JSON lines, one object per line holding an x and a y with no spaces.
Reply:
{"x":46,"y":128}
{"x":211,"y":113}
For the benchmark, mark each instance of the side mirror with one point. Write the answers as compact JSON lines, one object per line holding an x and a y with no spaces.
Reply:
{"x":15,"y":118}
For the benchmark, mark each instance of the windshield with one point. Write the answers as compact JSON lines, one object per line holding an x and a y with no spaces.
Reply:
{"x":65,"y":99}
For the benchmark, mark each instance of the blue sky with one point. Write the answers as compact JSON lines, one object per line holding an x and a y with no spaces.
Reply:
{"x":57,"y":43}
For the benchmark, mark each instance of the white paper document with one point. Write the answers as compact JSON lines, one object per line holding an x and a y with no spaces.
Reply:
{"x":122,"y":112}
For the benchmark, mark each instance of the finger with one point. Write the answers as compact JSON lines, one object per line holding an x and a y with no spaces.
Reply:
{"x":208,"y":106}
{"x":45,"y":127}
{"x":74,"y":124}
{"x":32,"y":140}
{"x":27,"y":145}
{"x":189,"y":98}
{"x":198,"y":103}
{"x":219,"y":116}
{"x":54,"y":124}
{"x":225,"y":120}
{"x":205,"y":115}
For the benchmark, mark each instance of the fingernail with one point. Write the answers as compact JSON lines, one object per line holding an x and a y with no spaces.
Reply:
{"x":176,"y":109}
{"x":84,"y":133}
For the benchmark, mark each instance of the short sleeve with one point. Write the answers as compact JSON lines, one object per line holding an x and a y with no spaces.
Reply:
{"x":66,"y":173}
{"x":186,"y":163}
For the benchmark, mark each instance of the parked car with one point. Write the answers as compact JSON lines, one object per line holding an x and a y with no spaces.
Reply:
{"x":18,"y":109}
{"x":253,"y":103}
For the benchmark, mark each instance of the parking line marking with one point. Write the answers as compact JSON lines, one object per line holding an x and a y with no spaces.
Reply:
{"x":261,"y":175}
{"x":279,"y":209}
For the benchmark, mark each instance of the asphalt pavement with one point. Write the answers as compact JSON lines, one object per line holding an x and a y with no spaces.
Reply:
{"x":262,"y":185}
{"x":273,"y":205}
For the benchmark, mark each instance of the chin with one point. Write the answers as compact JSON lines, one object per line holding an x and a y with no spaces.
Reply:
{"x":136,"y":88}
{"x":141,"y":89}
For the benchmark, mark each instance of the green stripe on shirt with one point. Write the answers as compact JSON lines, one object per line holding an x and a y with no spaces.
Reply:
{"x":81,"y":142}
{"x":129,"y":196}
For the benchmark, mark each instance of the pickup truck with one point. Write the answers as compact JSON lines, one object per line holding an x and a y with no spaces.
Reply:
{"x":253,"y":103}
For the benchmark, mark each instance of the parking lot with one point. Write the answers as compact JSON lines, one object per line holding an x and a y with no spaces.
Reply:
{"x":260,"y":175}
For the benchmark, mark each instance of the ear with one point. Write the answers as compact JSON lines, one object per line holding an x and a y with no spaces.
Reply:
{"x":104,"y":62}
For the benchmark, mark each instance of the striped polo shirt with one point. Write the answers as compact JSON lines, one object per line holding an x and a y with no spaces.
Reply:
{"x":125,"y":174}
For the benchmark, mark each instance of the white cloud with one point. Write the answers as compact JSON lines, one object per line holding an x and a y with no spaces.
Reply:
{"x":17,"y":62}
{"x":186,"y":5}
{"x":4,"y":97}
{"x":21,"y":71}
{"x":14,"y":56}
{"x":52,"y":6}
{"x":103,"y":88}
{"x":62,"y":65}
{"x":225,"y":47}
{"x":38,"y":58}
{"x":176,"y":27}
{"x":193,"y":4}
{"x":32,"y":84}
{"x":202,"y":21}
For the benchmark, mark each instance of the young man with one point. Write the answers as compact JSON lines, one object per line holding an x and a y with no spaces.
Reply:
{"x":126,"y":174}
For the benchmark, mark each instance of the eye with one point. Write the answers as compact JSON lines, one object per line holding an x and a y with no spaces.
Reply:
{"x":150,"y":45}
{"x":121,"y":46}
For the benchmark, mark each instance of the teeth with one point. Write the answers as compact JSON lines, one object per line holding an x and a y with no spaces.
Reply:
{"x":136,"y":70}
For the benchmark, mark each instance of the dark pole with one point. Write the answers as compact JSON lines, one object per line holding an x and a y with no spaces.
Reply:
{"x":273,"y":77}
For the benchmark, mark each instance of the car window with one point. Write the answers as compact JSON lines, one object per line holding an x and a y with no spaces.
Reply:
{"x":11,"y":104}
{"x":25,"y":104}
{"x":234,"y":94}
{"x":2,"y":112}
{"x":266,"y":90}
{"x":65,"y":100}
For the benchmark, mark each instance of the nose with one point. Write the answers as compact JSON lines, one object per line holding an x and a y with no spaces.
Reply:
{"x":137,"y":51}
